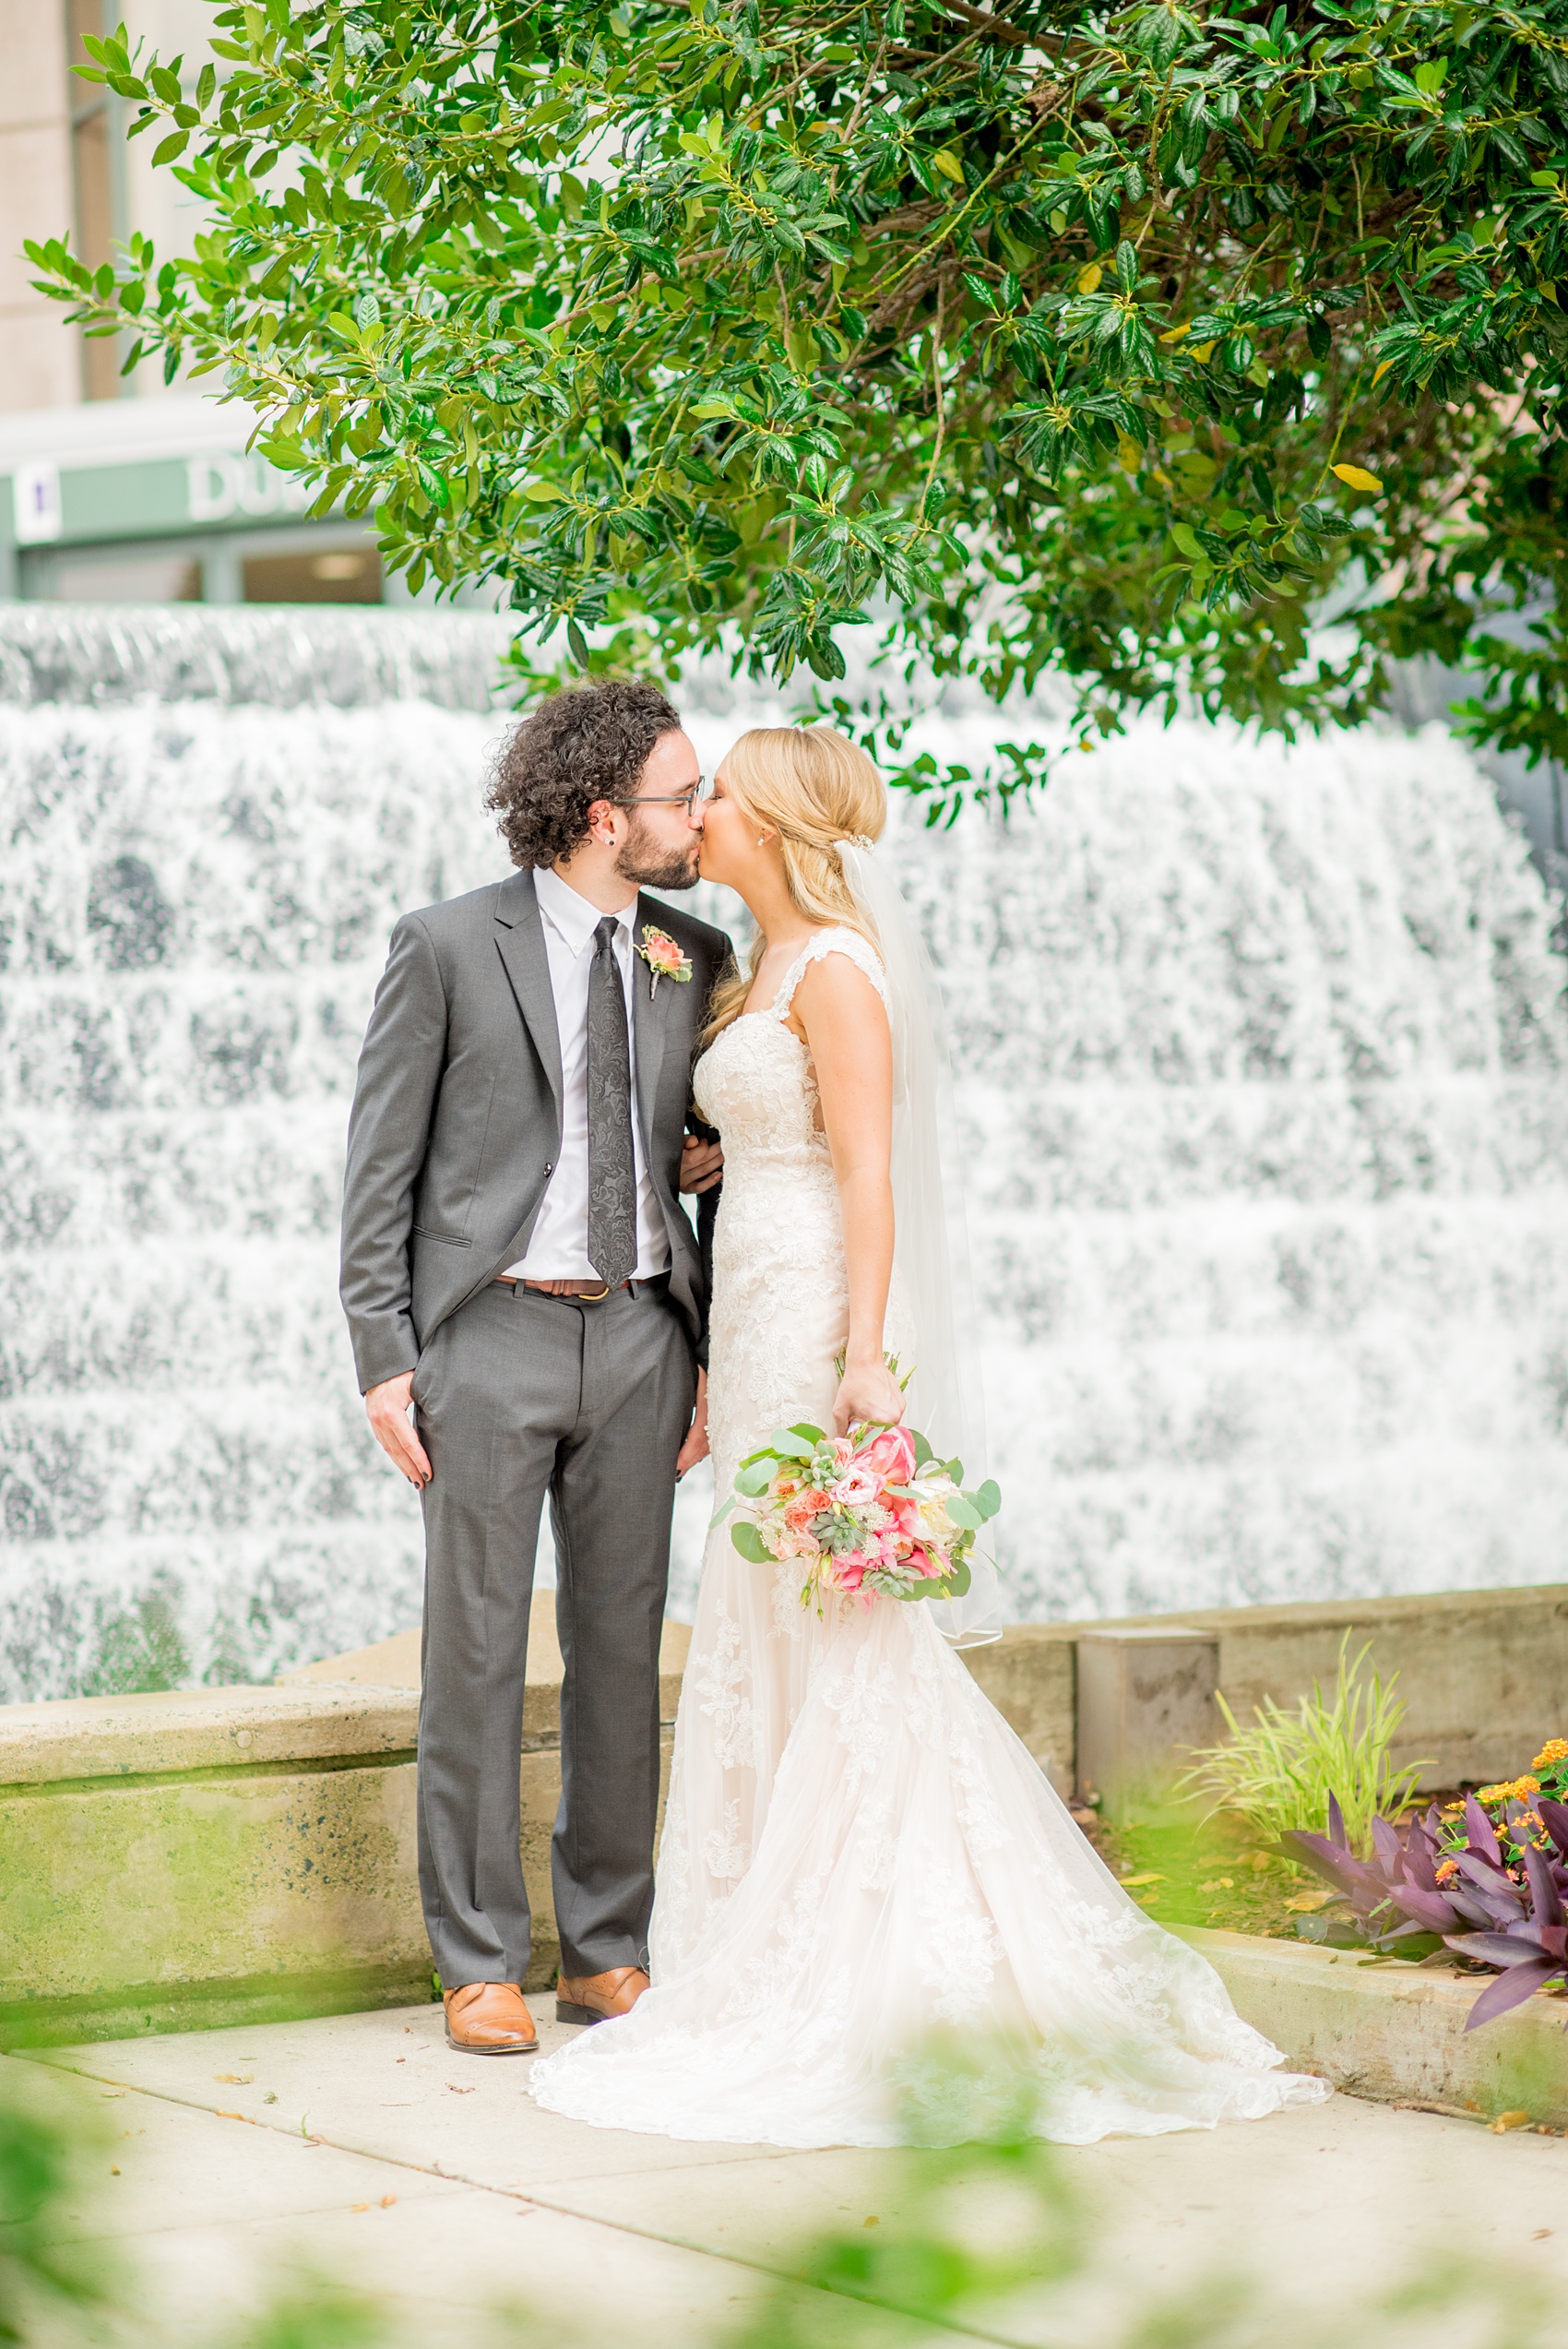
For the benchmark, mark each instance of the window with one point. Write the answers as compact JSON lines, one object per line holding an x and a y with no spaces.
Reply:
{"x":105,"y":574}
{"x":335,"y":575}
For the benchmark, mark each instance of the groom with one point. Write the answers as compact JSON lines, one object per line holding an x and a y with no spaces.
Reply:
{"x":518,"y":1267}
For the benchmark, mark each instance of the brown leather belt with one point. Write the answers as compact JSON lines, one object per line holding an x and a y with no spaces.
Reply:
{"x":582,"y":1292}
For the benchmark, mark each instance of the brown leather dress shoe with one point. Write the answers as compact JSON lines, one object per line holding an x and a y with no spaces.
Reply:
{"x":489,"y":2018}
{"x":594,"y":1997}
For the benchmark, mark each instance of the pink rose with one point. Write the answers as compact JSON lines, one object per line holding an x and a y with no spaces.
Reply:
{"x":892,"y":1455}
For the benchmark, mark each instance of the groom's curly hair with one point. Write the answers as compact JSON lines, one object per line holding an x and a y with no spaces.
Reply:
{"x":592,"y":742}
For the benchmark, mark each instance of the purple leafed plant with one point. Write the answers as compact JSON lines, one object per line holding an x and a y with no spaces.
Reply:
{"x":1424,"y":1886}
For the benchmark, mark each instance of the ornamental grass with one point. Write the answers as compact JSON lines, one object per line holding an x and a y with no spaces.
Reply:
{"x":1281,"y":1772}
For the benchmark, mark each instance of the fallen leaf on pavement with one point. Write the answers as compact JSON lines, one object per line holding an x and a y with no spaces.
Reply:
{"x":458,"y":2092}
{"x":235,"y":2079}
{"x":388,"y":2200}
{"x":1506,"y":2121}
{"x":359,"y":2206}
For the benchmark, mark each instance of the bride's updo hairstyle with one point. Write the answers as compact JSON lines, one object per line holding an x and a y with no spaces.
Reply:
{"x":814,"y":788}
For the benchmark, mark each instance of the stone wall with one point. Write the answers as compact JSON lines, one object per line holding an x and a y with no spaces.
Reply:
{"x":1484,"y":1674}
{"x":245,"y":1854}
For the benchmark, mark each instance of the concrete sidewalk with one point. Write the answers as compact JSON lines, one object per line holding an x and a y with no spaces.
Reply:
{"x":361,"y":2147}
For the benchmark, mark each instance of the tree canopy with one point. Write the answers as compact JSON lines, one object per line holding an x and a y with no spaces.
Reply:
{"x":1174,"y":350}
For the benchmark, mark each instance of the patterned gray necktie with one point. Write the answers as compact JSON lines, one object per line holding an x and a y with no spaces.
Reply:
{"x":612,"y":1183}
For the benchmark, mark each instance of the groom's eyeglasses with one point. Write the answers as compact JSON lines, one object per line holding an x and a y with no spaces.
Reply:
{"x":690,"y":800}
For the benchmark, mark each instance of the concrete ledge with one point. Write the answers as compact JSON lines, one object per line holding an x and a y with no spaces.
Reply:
{"x":1484,"y":1674}
{"x":395,"y":1664}
{"x":1392,"y":2033}
{"x":87,"y":1738}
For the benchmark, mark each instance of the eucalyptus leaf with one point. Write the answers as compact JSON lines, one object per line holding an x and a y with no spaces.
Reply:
{"x":750,"y":1543}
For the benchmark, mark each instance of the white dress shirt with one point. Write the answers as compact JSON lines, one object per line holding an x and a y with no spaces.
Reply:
{"x":558,"y":1247}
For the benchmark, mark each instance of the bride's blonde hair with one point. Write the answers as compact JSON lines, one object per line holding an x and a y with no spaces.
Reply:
{"x":815,"y":789}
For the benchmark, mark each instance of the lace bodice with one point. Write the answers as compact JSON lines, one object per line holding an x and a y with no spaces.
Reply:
{"x":780,"y":1307}
{"x":755,"y":1083}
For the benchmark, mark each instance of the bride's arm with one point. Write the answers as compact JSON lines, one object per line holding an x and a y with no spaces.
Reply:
{"x":840,"y":1015}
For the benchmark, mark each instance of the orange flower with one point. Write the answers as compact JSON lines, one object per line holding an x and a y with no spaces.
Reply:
{"x":1517,"y":1790}
{"x":1554,"y":1750}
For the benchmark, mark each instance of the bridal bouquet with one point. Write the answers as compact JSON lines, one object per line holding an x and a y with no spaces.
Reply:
{"x":872,"y":1514}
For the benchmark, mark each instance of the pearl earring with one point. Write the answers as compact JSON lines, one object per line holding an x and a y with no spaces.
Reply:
{"x":762,"y":839}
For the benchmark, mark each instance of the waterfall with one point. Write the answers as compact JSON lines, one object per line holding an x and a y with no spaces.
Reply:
{"x":1265,"y":1072}
{"x":1262,"y":1077}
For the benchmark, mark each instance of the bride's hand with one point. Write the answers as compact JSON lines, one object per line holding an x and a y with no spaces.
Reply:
{"x":868,"y":1391}
{"x":695,"y":1446}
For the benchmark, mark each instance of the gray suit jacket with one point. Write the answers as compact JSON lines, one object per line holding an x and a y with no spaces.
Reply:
{"x":456,"y":1118}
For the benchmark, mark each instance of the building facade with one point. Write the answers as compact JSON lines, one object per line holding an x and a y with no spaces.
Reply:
{"x":113,"y":488}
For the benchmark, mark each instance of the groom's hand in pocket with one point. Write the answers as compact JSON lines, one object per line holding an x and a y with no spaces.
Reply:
{"x":386,"y":1407}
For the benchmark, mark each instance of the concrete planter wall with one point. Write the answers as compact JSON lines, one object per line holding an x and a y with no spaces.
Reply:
{"x":1484,"y":1675}
{"x":242,"y":1855}
{"x":229,"y":1855}
{"x":1396,"y":2032}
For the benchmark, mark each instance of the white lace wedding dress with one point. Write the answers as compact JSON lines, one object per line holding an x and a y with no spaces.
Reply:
{"x":859,"y":1857}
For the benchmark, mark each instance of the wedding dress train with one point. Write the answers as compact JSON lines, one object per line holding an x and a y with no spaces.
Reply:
{"x":859,"y":1857}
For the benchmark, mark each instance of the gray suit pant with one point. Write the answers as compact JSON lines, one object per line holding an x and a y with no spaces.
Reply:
{"x":519,"y":1394}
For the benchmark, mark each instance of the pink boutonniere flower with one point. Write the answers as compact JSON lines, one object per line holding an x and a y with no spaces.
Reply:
{"x":664,"y":959}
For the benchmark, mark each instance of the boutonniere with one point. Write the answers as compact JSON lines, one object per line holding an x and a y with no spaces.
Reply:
{"x":664,"y":959}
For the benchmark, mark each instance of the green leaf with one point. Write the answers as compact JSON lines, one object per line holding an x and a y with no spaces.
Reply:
{"x":612,"y":318}
{"x":753,"y":1478}
{"x":168,"y":149}
{"x":987,"y":1500}
{"x":962,"y":1512}
{"x":578,"y":644}
{"x":750,"y":1543}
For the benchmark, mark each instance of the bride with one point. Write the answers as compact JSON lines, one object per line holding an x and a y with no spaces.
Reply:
{"x":859,"y":1858}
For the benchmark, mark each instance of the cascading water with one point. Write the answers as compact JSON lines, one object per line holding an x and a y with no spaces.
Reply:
{"x":1262,"y":1063}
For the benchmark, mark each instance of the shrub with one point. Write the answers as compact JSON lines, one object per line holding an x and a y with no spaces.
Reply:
{"x":1282,"y":1771}
{"x":1495,"y":1898}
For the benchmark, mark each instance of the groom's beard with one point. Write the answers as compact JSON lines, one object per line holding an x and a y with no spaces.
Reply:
{"x":653,"y":866}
